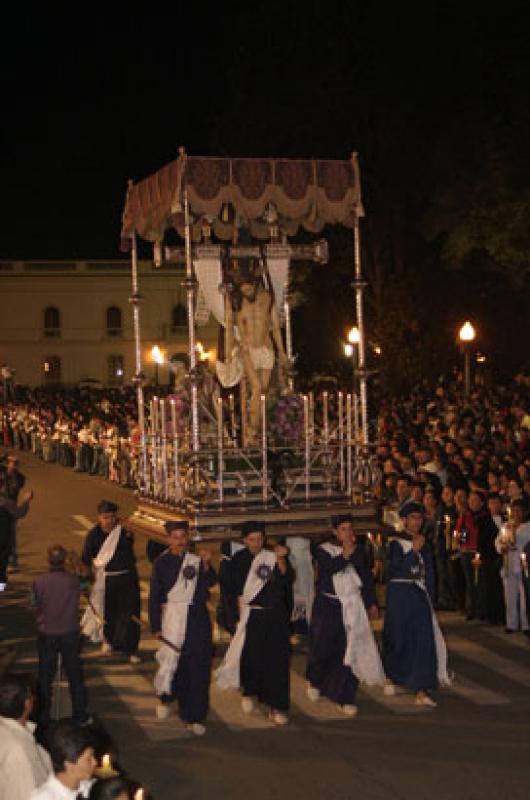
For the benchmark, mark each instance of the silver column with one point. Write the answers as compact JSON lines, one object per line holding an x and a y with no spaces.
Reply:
{"x":359,"y":285}
{"x":136,"y":300}
{"x":191,"y":286}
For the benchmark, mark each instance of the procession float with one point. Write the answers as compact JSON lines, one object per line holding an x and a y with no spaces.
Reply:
{"x":241,"y":441}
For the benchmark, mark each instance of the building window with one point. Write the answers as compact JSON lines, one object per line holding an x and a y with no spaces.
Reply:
{"x":52,"y":370}
{"x":179,"y":318}
{"x":115,"y":370}
{"x":52,"y":321}
{"x":114,"y":323}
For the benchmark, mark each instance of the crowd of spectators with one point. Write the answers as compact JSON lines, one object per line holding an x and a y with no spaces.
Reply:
{"x":93,"y":431}
{"x":64,"y":765}
{"x":468,"y":461}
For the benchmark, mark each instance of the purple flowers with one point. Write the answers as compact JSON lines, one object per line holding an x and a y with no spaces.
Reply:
{"x":287,"y":417}
{"x":264,"y":572}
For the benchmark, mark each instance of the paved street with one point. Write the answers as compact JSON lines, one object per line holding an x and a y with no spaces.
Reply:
{"x":474,"y":745}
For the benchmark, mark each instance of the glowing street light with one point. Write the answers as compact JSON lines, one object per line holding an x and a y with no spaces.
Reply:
{"x":354,"y":335}
{"x":348,"y":350}
{"x":467,"y":334}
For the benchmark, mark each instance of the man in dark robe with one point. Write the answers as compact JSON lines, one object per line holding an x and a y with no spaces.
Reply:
{"x":115,"y":598}
{"x":257,"y":660}
{"x":414,"y":652}
{"x":227,"y":611}
{"x":490,"y":601}
{"x":327,"y":673}
{"x":180,"y":584}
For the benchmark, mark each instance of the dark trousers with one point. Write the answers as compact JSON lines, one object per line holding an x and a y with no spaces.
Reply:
{"x":5,"y":549}
{"x":49,"y":648}
{"x":471,"y":585}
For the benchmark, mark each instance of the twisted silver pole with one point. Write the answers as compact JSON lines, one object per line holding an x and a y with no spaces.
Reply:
{"x":360,"y":285}
{"x":136,"y":300}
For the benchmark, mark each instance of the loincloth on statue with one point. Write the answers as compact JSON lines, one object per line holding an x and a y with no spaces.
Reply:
{"x":261,"y":357}
{"x":231,"y":372}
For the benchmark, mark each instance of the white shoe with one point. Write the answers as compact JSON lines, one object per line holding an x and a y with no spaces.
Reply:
{"x":313,"y":693}
{"x":196,"y":728}
{"x":425,"y":700}
{"x":247,"y":704}
{"x":134,"y":659}
{"x":278,"y":717}
{"x":162,"y":710}
{"x":389,"y":689}
{"x":105,"y":649}
{"x":349,"y":710}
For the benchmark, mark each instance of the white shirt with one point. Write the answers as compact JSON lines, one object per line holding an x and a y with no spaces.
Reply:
{"x":24,"y":764}
{"x":53,"y":789}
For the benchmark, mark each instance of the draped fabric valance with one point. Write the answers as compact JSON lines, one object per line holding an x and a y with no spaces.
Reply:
{"x":308,"y":194}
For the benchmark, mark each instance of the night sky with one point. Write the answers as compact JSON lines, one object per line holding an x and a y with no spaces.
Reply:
{"x":426,"y":93}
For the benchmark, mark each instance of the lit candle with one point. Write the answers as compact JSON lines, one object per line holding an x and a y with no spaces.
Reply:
{"x":232,"y":409}
{"x":311,"y":414}
{"x":106,"y":770}
{"x":448,"y":540}
{"x":139,"y":794}
{"x":476,"y":566}
{"x":264,"y":462}
{"x":325,"y":417}
{"x":173,"y":410}
{"x":340,"y":433}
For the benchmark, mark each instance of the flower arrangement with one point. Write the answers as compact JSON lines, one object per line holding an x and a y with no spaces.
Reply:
{"x":287,"y":417}
{"x":182,"y":409}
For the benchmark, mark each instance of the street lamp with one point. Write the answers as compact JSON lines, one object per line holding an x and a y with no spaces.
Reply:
{"x":158,"y":358}
{"x":467,"y":335}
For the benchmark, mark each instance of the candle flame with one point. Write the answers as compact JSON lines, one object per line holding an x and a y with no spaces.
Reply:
{"x":139,"y":794}
{"x":105,"y":761}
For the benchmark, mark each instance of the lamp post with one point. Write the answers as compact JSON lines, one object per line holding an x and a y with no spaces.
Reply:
{"x":158,"y":358}
{"x":467,"y":335}
{"x":354,"y":337}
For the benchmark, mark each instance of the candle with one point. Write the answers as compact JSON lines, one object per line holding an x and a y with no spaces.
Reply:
{"x":232,"y":409}
{"x":173,"y":410}
{"x":307,"y":447}
{"x":139,"y":795}
{"x":106,"y":770}
{"x":341,"y":438}
{"x":311,"y":414}
{"x":356,"y":422}
{"x":448,"y":540}
{"x":264,"y":463}
{"x":524,"y":564}
{"x":476,"y":567}
{"x":325,"y":417}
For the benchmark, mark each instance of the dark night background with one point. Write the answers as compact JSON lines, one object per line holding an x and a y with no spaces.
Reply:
{"x":433,"y":96}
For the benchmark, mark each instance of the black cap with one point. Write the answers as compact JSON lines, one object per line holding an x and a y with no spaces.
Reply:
{"x":252,"y":526}
{"x":107,"y":507}
{"x":338,"y":519}
{"x":176,"y":525}
{"x":411,"y":508}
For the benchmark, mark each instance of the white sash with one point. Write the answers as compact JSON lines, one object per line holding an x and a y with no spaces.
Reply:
{"x":361,"y":655}
{"x":175,"y":622}
{"x":304,"y":584}
{"x":228,"y":676}
{"x":439,"y":641}
{"x":91,"y":623}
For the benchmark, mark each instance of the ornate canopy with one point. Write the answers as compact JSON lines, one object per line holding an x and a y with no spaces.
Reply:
{"x":308,"y":194}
